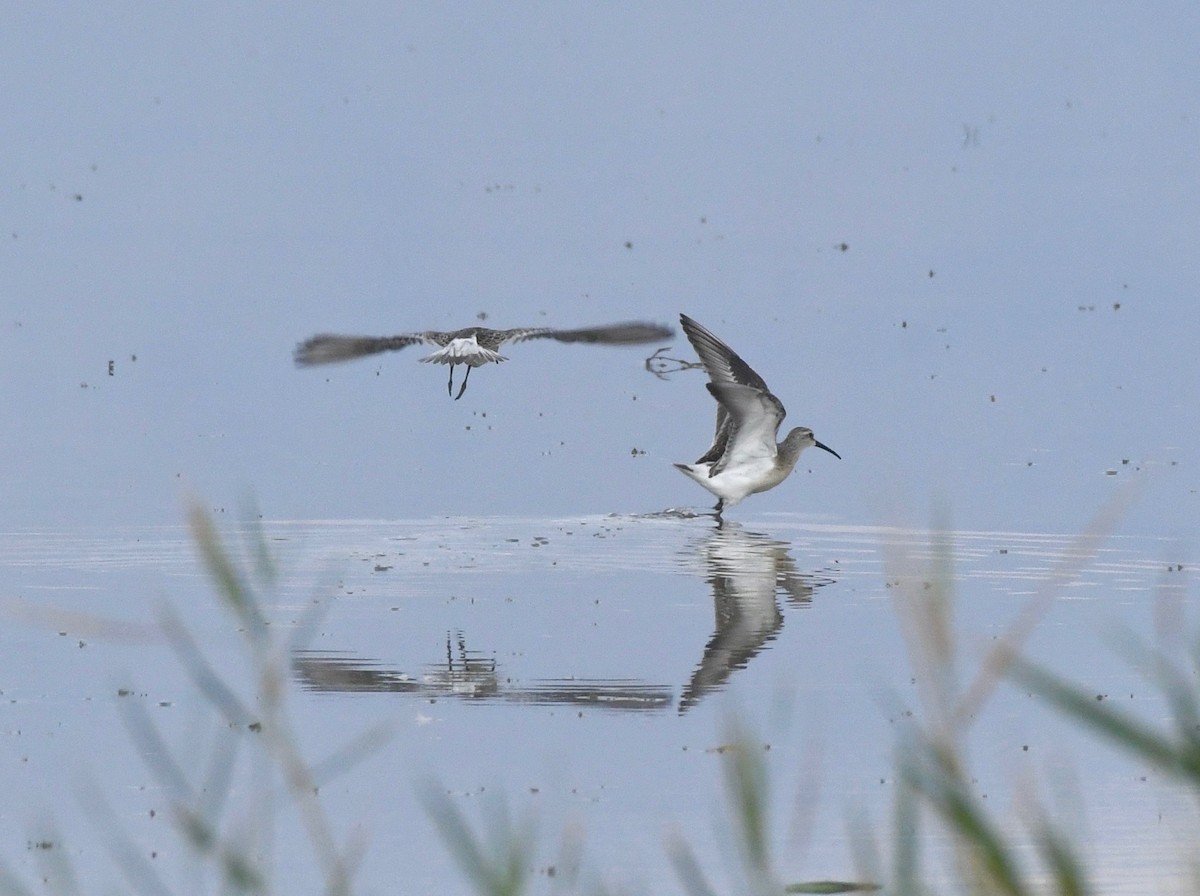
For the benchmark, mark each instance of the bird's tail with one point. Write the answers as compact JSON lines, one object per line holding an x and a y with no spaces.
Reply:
{"x":472,"y":355}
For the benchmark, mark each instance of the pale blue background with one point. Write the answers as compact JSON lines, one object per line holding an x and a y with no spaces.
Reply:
{"x":251,"y":174}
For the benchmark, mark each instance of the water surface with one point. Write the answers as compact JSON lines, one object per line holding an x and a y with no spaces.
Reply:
{"x":586,"y":670}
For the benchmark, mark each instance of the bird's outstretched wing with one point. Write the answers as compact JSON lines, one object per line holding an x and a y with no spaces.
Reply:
{"x":626,"y":333}
{"x":723,"y":364}
{"x":327,"y":348}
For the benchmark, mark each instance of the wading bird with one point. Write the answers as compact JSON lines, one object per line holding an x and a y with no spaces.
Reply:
{"x":744,"y":458}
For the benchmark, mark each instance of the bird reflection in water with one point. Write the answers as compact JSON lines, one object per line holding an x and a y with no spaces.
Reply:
{"x":471,"y":675}
{"x":747,"y":572}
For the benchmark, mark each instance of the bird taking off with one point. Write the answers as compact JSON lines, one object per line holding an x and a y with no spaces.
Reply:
{"x":472,"y":346}
{"x":744,"y":458}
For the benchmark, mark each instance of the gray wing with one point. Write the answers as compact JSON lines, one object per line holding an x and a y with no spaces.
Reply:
{"x":626,"y":333}
{"x":327,"y":348}
{"x":720,"y":439}
{"x":723,"y":364}
{"x":752,"y":422}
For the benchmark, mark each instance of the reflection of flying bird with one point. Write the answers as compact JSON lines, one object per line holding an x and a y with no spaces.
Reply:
{"x":744,"y":458}
{"x":472,"y":675}
{"x":746,"y":570}
{"x":472,"y":346}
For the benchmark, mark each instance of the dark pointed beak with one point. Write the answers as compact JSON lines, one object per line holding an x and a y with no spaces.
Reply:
{"x":827,"y":448}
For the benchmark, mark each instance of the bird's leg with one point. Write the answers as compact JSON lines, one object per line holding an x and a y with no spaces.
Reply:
{"x":717,"y":512}
{"x":463,"y":387}
{"x":450,"y":385}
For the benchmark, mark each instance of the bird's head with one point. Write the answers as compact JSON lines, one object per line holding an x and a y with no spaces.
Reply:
{"x":800,"y":438}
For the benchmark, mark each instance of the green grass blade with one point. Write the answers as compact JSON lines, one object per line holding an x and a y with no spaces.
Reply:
{"x":831,"y":886}
{"x":231,"y":586}
{"x":1129,"y":732}
{"x":501,"y":870}
{"x":1063,"y":862}
{"x":691,"y":875}
{"x":978,"y":838}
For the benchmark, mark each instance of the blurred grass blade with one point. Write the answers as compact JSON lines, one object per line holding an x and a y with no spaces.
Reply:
{"x":1063,"y":862}
{"x":218,"y":782}
{"x":501,"y":869}
{"x":456,"y":835}
{"x":363,"y":746}
{"x":1121,"y":727}
{"x":138,"y":872}
{"x":55,"y":863}
{"x":1080,"y":553}
{"x":569,"y":862}
{"x":981,"y":843}
{"x":906,"y":853}
{"x":230,"y":585}
{"x":831,"y":886}
{"x":203,"y":676}
{"x":154,"y":751}
{"x":266,"y":571}
{"x":746,"y":784}
{"x":688,"y":869}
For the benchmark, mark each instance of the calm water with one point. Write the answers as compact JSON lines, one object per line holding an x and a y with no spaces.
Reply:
{"x":584,"y":669}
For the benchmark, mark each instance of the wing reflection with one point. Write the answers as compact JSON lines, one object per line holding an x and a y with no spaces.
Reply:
{"x":747,"y":571}
{"x":470,"y":675}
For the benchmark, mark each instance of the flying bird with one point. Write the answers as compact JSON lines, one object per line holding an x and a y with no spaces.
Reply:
{"x":471,"y":347}
{"x":744,"y":458}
